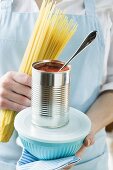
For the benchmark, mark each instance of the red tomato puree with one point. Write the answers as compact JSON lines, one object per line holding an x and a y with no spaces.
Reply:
{"x":51,"y":68}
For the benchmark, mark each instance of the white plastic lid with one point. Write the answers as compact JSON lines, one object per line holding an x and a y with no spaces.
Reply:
{"x":78,"y":127}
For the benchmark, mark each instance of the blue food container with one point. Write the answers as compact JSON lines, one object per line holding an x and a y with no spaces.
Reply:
{"x":47,"y":151}
{"x":45,"y":143}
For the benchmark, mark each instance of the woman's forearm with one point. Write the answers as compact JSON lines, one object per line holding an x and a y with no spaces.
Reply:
{"x":101,"y":112}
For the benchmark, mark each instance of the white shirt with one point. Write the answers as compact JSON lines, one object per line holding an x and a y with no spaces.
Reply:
{"x":104,"y":10}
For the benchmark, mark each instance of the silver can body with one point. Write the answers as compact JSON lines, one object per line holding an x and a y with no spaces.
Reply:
{"x":50,"y":95}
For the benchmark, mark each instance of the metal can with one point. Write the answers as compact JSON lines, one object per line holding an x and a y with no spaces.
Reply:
{"x":50,"y":94}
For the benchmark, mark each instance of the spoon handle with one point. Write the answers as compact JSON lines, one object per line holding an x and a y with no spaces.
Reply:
{"x":88,"y":40}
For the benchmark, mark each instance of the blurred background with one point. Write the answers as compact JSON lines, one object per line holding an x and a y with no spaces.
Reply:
{"x":109,"y":130}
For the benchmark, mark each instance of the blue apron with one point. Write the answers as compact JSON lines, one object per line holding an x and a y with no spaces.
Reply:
{"x":86,"y":80}
{"x":15,"y":30}
{"x":87,"y":68}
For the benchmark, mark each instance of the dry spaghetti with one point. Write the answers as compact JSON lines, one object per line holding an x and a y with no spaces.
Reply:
{"x":51,"y":33}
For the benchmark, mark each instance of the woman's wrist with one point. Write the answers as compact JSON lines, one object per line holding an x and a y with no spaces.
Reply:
{"x":95,"y":126}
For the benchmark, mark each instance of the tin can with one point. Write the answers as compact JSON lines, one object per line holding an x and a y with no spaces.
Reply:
{"x":50,"y":94}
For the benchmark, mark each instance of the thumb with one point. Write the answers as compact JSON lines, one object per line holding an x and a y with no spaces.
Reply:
{"x":89,"y":140}
{"x":81,"y":151}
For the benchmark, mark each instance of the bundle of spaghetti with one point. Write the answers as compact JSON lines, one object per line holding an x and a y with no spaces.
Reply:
{"x":51,"y":33}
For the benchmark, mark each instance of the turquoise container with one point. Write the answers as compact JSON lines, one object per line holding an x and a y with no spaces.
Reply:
{"x":48,"y":151}
{"x":47,"y":143}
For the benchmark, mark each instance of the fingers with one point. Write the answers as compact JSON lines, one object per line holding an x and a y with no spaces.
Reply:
{"x":20,"y":89}
{"x":21,"y":78}
{"x":8,"y":83}
{"x":69,"y":167}
{"x":6,"y":104}
{"x":17,"y":98}
{"x":89,"y":140}
{"x":81,"y":151}
{"x":15,"y":91}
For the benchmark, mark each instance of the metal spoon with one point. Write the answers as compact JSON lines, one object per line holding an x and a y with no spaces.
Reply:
{"x":88,"y":40}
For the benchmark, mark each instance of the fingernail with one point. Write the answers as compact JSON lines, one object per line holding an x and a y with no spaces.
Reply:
{"x":88,"y":142}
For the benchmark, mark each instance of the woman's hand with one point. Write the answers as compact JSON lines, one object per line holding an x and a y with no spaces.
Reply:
{"x":15,"y":91}
{"x":89,"y":140}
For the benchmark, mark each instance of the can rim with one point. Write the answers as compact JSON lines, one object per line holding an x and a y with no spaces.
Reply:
{"x":53,"y":61}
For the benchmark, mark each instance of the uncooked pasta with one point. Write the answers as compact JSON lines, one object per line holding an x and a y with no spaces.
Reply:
{"x":51,"y":33}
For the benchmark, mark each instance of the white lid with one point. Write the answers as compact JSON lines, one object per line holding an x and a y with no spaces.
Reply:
{"x":78,"y":127}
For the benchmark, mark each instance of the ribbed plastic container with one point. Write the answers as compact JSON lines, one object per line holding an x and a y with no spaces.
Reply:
{"x":48,"y":151}
{"x":46,"y":143}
